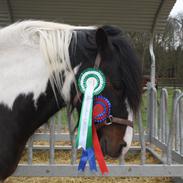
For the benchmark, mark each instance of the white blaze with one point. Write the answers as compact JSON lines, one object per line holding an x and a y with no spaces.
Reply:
{"x":128,"y":133}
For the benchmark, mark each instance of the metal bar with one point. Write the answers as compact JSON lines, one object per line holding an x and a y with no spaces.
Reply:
{"x":181,"y":126}
{"x":46,"y":137}
{"x":141,"y":138}
{"x":122,"y":160}
{"x":172,"y":130}
{"x":155,"y":113}
{"x":166,"y":117}
{"x":133,"y":149}
{"x":163,"y":116}
{"x":160,"y":122}
{"x":52,"y":140}
{"x":151,"y":50}
{"x":177,"y":140}
{"x":30,"y":150}
{"x":176,"y":157}
{"x":153,"y":61}
{"x":47,"y":147}
{"x":149,"y":116}
{"x":156,"y":155}
{"x":114,"y":170}
{"x":66,"y":137}
{"x":152,"y":113}
{"x":72,"y":137}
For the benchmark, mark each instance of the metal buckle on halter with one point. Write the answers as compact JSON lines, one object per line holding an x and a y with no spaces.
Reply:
{"x":108,"y":121}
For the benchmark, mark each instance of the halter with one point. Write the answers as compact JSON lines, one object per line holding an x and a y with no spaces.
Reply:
{"x":111,"y":119}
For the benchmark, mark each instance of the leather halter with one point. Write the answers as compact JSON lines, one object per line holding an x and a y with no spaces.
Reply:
{"x":111,"y":119}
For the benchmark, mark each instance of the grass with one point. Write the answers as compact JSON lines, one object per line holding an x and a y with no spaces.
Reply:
{"x":62,"y":115}
{"x":144,"y":105}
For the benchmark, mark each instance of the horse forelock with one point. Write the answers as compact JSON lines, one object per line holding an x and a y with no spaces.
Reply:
{"x":129,"y":65}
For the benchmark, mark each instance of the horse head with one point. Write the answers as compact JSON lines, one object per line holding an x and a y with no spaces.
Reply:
{"x":122,"y":71}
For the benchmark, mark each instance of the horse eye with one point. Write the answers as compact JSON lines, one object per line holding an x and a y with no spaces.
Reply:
{"x":117,"y":85}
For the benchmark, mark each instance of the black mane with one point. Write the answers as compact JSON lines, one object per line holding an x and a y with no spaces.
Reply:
{"x":125,"y":59}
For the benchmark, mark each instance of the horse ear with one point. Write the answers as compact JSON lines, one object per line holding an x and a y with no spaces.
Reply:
{"x":102,"y":41}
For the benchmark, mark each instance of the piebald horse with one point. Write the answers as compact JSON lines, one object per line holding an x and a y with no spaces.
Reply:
{"x":39,"y":66}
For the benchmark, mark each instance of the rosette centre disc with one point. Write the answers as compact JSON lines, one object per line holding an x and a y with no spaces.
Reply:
{"x":92,"y":81}
{"x":91,"y":77}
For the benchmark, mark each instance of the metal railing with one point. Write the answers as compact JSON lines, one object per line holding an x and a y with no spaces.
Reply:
{"x":164,"y":132}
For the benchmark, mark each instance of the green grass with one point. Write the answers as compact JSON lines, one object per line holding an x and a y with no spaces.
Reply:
{"x":144,"y":104}
{"x":144,"y":109}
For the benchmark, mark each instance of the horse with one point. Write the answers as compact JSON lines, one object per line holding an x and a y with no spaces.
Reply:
{"x":40,"y":63}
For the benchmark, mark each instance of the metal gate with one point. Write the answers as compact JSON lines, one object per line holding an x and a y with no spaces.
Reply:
{"x":161,"y":136}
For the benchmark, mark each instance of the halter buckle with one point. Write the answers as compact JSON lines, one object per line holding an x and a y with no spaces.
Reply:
{"x":108,"y":121}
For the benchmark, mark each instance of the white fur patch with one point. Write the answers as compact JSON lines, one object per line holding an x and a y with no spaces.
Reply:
{"x":129,"y":131}
{"x":29,"y":53}
{"x":128,"y":139}
{"x":22,"y":70}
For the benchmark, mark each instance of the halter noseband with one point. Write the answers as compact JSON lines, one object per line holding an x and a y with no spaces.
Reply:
{"x":111,"y":119}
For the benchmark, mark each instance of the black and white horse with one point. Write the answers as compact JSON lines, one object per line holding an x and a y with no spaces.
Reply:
{"x":39,"y":65}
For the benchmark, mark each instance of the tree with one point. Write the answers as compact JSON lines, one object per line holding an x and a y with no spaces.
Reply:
{"x":168,"y":48}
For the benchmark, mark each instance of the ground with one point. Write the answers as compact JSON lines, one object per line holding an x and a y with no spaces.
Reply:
{"x":64,"y":157}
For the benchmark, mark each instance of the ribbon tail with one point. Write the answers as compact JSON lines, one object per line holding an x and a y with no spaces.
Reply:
{"x":89,"y":134}
{"x":83,"y":160}
{"x":91,"y":159}
{"x":98,"y":152}
{"x":84,"y":136}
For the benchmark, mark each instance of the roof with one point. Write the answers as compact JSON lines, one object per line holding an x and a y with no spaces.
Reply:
{"x":132,"y":15}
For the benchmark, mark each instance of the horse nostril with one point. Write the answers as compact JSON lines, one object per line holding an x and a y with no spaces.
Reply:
{"x":124,"y":144}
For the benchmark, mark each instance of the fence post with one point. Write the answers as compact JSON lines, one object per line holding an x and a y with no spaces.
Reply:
{"x":152,"y":113}
{"x":52,"y":141}
{"x":177,"y":140}
{"x":141,"y":138}
{"x":163,"y":116}
{"x":172,"y":128}
{"x":30,"y":149}
{"x":181,"y":126}
{"x":72,"y":137}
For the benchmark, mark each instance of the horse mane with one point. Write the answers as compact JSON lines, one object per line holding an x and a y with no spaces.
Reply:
{"x":53,"y":40}
{"x":129,"y":65}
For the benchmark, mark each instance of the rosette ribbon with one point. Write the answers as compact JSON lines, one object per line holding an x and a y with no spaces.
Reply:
{"x":91,"y":82}
{"x":101,"y":111}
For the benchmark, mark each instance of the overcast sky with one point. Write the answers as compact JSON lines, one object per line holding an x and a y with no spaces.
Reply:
{"x":178,"y":8}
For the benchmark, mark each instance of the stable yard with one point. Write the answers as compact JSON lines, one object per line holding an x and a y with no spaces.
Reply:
{"x":64,"y":156}
{"x":88,"y":180}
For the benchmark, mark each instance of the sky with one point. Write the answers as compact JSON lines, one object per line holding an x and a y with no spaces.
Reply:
{"x":178,"y":8}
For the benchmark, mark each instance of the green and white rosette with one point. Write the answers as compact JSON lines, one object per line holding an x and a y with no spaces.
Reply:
{"x":91,"y":82}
